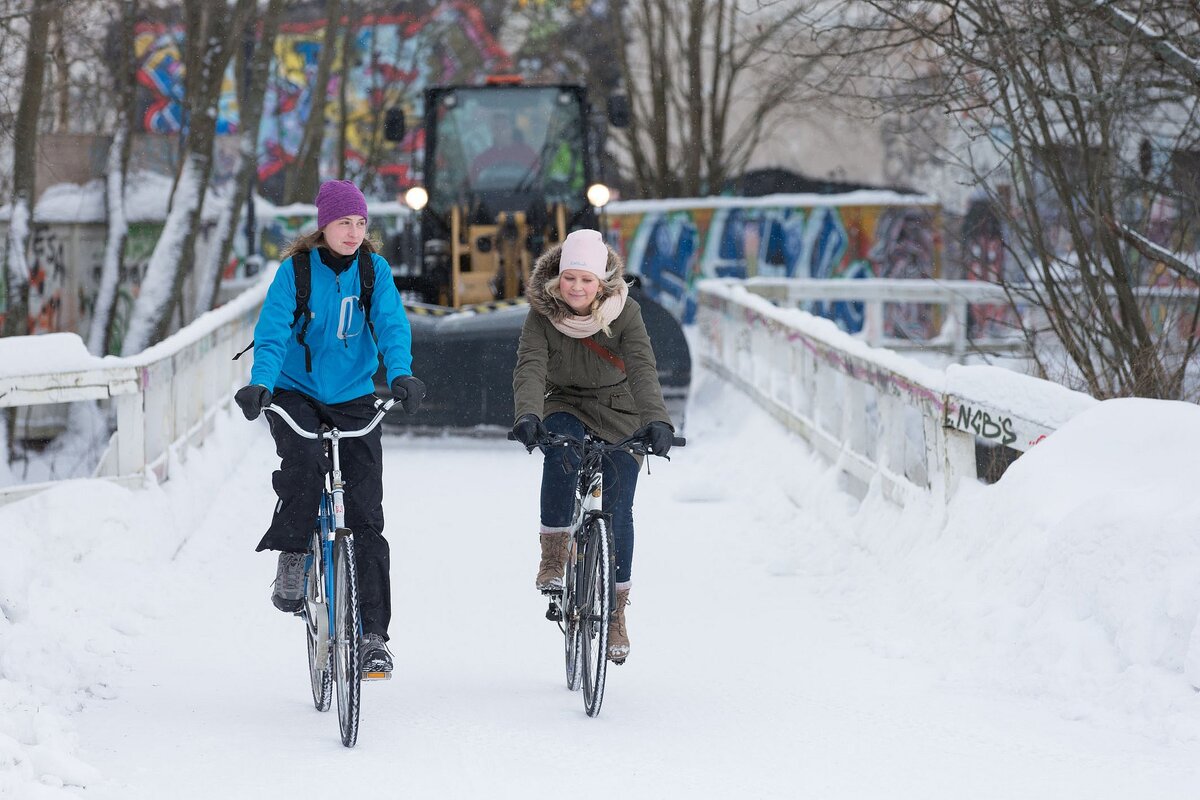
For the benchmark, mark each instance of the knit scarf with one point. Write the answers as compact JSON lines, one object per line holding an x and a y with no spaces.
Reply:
{"x":578,"y":327}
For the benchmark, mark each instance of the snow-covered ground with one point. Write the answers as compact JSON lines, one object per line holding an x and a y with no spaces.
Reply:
{"x":1034,"y":640}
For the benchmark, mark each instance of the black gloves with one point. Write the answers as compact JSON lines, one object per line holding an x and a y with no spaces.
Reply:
{"x":252,"y":399}
{"x":659,"y":435}
{"x":410,"y":391}
{"x":529,"y":429}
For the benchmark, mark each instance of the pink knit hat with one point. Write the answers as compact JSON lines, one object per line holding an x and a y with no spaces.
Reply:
{"x":337,"y":199}
{"x":584,"y":250}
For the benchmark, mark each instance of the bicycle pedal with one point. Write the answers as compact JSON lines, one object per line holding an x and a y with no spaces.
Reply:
{"x":554,"y":612}
{"x":377,"y":676}
{"x":618,"y":662}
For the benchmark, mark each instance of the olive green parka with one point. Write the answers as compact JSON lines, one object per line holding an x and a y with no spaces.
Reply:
{"x":556,"y":372}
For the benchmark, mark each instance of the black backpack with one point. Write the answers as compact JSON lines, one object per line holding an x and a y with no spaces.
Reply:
{"x":303,"y":268}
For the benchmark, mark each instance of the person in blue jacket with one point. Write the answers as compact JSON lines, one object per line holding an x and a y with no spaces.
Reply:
{"x":325,"y":375}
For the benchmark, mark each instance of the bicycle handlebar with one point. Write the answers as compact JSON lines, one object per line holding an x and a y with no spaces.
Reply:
{"x":382,"y":407}
{"x":635,"y":442}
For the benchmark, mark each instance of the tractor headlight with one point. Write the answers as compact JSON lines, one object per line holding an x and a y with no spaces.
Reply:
{"x":598,"y":195}
{"x":416,"y":198}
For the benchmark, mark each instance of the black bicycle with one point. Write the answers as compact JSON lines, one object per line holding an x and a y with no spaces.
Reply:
{"x":585,"y":605}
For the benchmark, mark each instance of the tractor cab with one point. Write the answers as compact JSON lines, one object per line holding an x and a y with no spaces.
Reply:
{"x":507,"y":173}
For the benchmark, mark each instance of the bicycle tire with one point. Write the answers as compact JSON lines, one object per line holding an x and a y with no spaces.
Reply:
{"x":570,"y":613}
{"x":595,"y":607}
{"x":316,"y":627}
{"x":347,"y":624}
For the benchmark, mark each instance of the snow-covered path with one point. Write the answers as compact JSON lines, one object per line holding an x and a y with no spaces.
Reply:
{"x":752,"y":675}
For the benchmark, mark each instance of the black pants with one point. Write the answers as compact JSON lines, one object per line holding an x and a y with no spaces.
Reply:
{"x":300,"y":478}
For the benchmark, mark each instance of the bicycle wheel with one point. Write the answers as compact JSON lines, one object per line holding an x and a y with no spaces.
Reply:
{"x":570,"y":612}
{"x":347,"y":657}
{"x":316,"y":625}
{"x":595,"y":609}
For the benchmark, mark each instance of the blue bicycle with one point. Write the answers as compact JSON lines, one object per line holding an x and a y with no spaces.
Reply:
{"x":331,"y":615}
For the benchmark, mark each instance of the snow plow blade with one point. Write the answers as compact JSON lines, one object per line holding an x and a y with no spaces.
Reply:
{"x":466,"y":358}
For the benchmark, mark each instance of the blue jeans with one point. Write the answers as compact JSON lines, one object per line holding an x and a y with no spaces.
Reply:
{"x":560,"y":471}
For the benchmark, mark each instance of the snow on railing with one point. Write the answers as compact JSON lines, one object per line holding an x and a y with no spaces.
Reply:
{"x":166,"y":397}
{"x":875,"y":414}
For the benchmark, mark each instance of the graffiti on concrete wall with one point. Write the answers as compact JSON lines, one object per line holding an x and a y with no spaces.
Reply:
{"x":48,"y":275}
{"x":672,"y":249}
{"x":395,"y":57}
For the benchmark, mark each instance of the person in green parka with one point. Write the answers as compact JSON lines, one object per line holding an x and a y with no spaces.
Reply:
{"x":585,"y":364}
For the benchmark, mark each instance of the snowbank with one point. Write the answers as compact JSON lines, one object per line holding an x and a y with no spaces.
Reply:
{"x":83,"y":572}
{"x":1074,"y":580}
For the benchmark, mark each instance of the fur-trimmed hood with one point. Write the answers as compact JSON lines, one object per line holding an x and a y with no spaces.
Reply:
{"x":545,"y":269}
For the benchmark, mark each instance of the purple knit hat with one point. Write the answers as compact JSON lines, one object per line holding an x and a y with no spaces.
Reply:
{"x":337,"y":199}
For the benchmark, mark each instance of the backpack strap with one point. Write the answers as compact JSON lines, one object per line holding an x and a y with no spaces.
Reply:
{"x":303,"y":269}
{"x":604,"y":352}
{"x":366,"y":284}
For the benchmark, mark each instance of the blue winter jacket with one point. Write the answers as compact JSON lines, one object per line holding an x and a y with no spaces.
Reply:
{"x":344,"y":356}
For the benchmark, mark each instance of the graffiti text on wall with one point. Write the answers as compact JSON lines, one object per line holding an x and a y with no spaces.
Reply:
{"x":981,"y":423}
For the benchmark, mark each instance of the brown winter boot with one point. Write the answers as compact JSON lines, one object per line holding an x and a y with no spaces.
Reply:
{"x":554,"y":559}
{"x":618,"y":637}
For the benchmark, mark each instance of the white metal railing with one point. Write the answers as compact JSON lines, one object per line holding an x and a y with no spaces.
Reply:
{"x":165,"y":397}
{"x":874,"y":413}
{"x":954,"y":297}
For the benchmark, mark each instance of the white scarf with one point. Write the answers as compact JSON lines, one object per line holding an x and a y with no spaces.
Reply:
{"x":578,"y":327}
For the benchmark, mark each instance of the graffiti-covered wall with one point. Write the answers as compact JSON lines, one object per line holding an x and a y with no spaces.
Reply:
{"x":66,"y":260}
{"x":394,"y":58}
{"x":672,"y":244}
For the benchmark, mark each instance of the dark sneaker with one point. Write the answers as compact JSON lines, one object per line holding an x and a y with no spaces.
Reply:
{"x":375,"y":655}
{"x":288,"y":595}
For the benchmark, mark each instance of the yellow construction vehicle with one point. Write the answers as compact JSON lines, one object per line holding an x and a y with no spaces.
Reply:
{"x":508,"y":172}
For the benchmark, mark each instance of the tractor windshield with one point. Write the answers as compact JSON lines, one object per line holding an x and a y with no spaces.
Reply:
{"x":509,"y":145}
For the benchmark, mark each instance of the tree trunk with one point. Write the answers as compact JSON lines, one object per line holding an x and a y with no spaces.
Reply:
{"x":118,"y":163}
{"x":25,"y":134}
{"x":62,"y":74}
{"x":347,"y":49}
{"x":304,"y":174}
{"x":250,"y":101}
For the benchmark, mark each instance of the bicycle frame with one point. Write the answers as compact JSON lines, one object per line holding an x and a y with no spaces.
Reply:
{"x":332,"y":513}
{"x":589,"y":496}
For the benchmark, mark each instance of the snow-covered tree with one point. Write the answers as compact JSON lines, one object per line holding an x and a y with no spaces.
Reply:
{"x":1078,"y":122}
{"x":252,"y":76}
{"x":207,"y":50}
